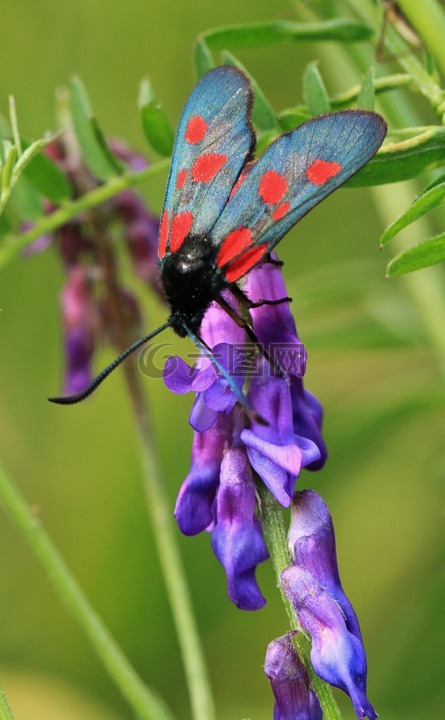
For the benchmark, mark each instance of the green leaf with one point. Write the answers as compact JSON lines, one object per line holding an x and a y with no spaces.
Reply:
{"x":262,"y":113}
{"x":426,"y":201}
{"x":203,"y":58}
{"x":290,"y":119}
{"x":314,"y":91}
{"x":10,"y":153}
{"x":47,"y":178}
{"x":98,"y":157}
{"x":366,"y":96}
{"x":437,"y":181}
{"x":430,"y":252}
{"x":25,"y":200}
{"x":403,"y":160}
{"x":155,"y":125}
{"x":266,"y":33}
{"x":5,"y":225}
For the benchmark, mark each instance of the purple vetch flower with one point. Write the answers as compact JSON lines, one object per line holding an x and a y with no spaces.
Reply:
{"x":276,"y":453}
{"x":237,"y":539}
{"x":312,"y":546}
{"x":294,"y":700}
{"x":80,"y":320}
{"x":213,"y":393}
{"x":194,"y":506}
{"x":338,"y":656}
{"x":283,"y":436}
{"x":274,"y":326}
{"x":88,"y":303}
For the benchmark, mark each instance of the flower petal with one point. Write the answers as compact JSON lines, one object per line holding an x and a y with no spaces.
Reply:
{"x":237,"y":540}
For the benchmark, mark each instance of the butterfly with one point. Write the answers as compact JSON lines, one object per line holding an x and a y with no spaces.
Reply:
{"x":224,"y":212}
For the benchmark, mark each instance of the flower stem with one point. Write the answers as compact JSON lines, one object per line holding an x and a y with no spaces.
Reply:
{"x":425,"y":83}
{"x":172,"y":567}
{"x":5,"y":710}
{"x":66,"y":212}
{"x":158,"y":508}
{"x":275,"y":537}
{"x":428,"y":18}
{"x":145,"y":703}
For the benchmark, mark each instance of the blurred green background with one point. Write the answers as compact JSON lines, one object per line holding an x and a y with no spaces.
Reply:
{"x":371,"y":363}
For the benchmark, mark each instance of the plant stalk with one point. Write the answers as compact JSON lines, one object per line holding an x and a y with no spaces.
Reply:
{"x":145,"y":703}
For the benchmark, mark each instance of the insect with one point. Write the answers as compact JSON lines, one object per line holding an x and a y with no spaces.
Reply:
{"x":223,"y":213}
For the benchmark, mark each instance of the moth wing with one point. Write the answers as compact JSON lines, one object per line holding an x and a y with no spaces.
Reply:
{"x":294,"y":174}
{"x":214,"y":138}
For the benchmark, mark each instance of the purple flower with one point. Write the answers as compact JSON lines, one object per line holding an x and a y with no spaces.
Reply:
{"x":275,"y":327}
{"x":294,"y":700}
{"x":337,"y":655}
{"x":275,"y":451}
{"x":237,"y":540}
{"x":283,"y":436}
{"x":312,"y":546}
{"x":213,"y":393}
{"x":88,"y":304}
{"x":80,"y":319}
{"x":194,"y":506}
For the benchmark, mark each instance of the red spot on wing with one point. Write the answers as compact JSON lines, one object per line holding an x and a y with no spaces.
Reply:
{"x":245,"y":262}
{"x":196,"y":129}
{"x":238,"y":184}
{"x":281,"y":211}
{"x":180,"y":179}
{"x":163,"y":234}
{"x":321,"y":171}
{"x":234,"y":244}
{"x":206,"y":166}
{"x":272,"y":187}
{"x":181,"y":224}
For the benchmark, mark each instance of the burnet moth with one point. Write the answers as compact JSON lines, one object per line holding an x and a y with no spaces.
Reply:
{"x":223,"y":213}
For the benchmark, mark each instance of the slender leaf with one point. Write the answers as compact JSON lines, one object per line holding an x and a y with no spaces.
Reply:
{"x":437,"y":181}
{"x":430,"y":252}
{"x":5,"y":130}
{"x":14,"y":125}
{"x":155,"y":125}
{"x":403,"y":160}
{"x":366,"y":96}
{"x":5,"y":225}
{"x":427,"y":201}
{"x":25,"y":200}
{"x":314,"y":91}
{"x":27,"y":156}
{"x":203,"y":57}
{"x":5,"y":710}
{"x":290,"y":119}
{"x":265,"y":33}
{"x":48,"y":179}
{"x":262,"y":113}
{"x":91,"y":141}
{"x":10,"y":151}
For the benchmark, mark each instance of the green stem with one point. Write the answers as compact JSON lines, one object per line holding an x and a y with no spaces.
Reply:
{"x":425,"y":289}
{"x":145,"y":703}
{"x":428,"y":19}
{"x":275,"y":536}
{"x":158,"y":506}
{"x":47,"y":224}
{"x":425,"y":83}
{"x":165,"y":533}
{"x":5,"y":710}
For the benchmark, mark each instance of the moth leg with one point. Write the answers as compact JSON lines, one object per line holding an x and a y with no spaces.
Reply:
{"x":272,"y":261}
{"x":249,"y":305}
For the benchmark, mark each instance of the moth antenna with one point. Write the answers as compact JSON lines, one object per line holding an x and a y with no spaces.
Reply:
{"x":78,"y":397}
{"x":250,"y":410}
